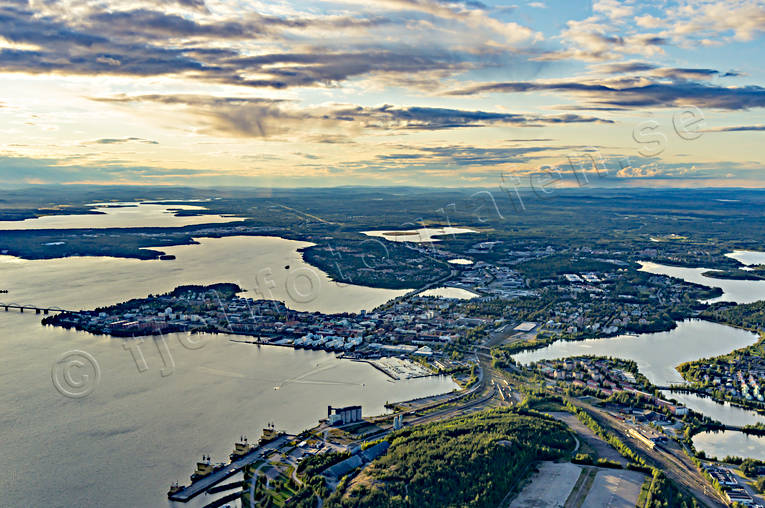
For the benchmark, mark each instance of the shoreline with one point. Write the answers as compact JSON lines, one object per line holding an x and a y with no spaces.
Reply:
{"x":225,"y":470}
{"x":341,"y":355}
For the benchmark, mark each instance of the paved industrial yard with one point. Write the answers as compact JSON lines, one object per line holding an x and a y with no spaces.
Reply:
{"x":549,"y":487}
{"x":614,"y":489}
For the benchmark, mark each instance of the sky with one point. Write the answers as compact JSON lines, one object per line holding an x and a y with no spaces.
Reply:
{"x":474,"y":93}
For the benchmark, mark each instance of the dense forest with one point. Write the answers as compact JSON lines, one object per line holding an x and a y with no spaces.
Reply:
{"x":750,"y":315}
{"x":472,"y":461}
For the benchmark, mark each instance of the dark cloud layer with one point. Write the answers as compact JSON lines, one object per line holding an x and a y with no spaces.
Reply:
{"x":154,"y":42}
{"x":635,"y":94}
{"x":254,"y":117}
{"x":738,"y":128}
{"x":118,"y":141}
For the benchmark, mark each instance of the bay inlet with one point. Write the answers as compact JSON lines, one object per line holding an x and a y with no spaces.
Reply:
{"x":160,"y":417}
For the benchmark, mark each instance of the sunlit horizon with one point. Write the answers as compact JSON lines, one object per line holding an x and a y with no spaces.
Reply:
{"x":399,"y":93}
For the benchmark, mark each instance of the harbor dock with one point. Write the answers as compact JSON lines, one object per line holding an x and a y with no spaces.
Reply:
{"x":185,"y":494}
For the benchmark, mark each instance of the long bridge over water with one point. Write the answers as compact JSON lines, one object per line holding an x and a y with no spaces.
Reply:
{"x":38,"y":310}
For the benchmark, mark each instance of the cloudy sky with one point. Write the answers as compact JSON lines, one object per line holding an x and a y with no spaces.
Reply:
{"x":383,"y":92}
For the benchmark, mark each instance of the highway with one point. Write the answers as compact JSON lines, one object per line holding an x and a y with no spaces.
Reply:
{"x":487,"y":389}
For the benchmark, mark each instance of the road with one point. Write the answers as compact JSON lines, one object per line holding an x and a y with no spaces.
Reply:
{"x":493,"y":390}
{"x":430,"y":285}
{"x":487,"y":393}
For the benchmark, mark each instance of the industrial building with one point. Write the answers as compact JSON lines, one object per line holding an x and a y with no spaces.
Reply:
{"x":343,"y":415}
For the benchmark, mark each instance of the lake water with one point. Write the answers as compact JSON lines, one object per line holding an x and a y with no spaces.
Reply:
{"x":723,"y":413}
{"x":138,"y":431}
{"x":257,"y":264}
{"x":739,"y":291}
{"x":748,"y":257}
{"x":736,"y":444}
{"x":657,"y":354}
{"x":450,"y":292}
{"x":120,"y":215}
{"x":421,"y":235}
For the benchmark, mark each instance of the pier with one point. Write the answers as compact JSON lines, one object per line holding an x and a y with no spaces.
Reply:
{"x":37,"y":310}
{"x":203,"y":484}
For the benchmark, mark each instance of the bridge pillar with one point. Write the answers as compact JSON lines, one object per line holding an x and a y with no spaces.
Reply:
{"x":37,"y":311}
{"x":6,"y":308}
{"x":45,"y":311}
{"x":22,"y":309}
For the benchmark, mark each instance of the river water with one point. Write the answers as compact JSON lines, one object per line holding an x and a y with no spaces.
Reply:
{"x":143,"y":426}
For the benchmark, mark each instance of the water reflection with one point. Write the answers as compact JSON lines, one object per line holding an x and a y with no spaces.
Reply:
{"x":725,"y":443}
{"x":748,"y":257}
{"x":724,"y":413}
{"x":121,"y":215}
{"x":142,"y":428}
{"x":257,"y":264}
{"x":418,"y":235}
{"x":657,"y":354}
{"x":738,"y":291}
{"x":450,"y":292}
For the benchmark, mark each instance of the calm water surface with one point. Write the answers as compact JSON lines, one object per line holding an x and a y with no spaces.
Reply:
{"x":748,"y":257}
{"x":450,"y":292}
{"x":737,"y":444}
{"x":724,"y":413}
{"x":125,"y":215}
{"x":257,"y":264}
{"x":421,"y":235}
{"x":657,"y":354}
{"x":138,"y":431}
{"x":739,"y":291}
